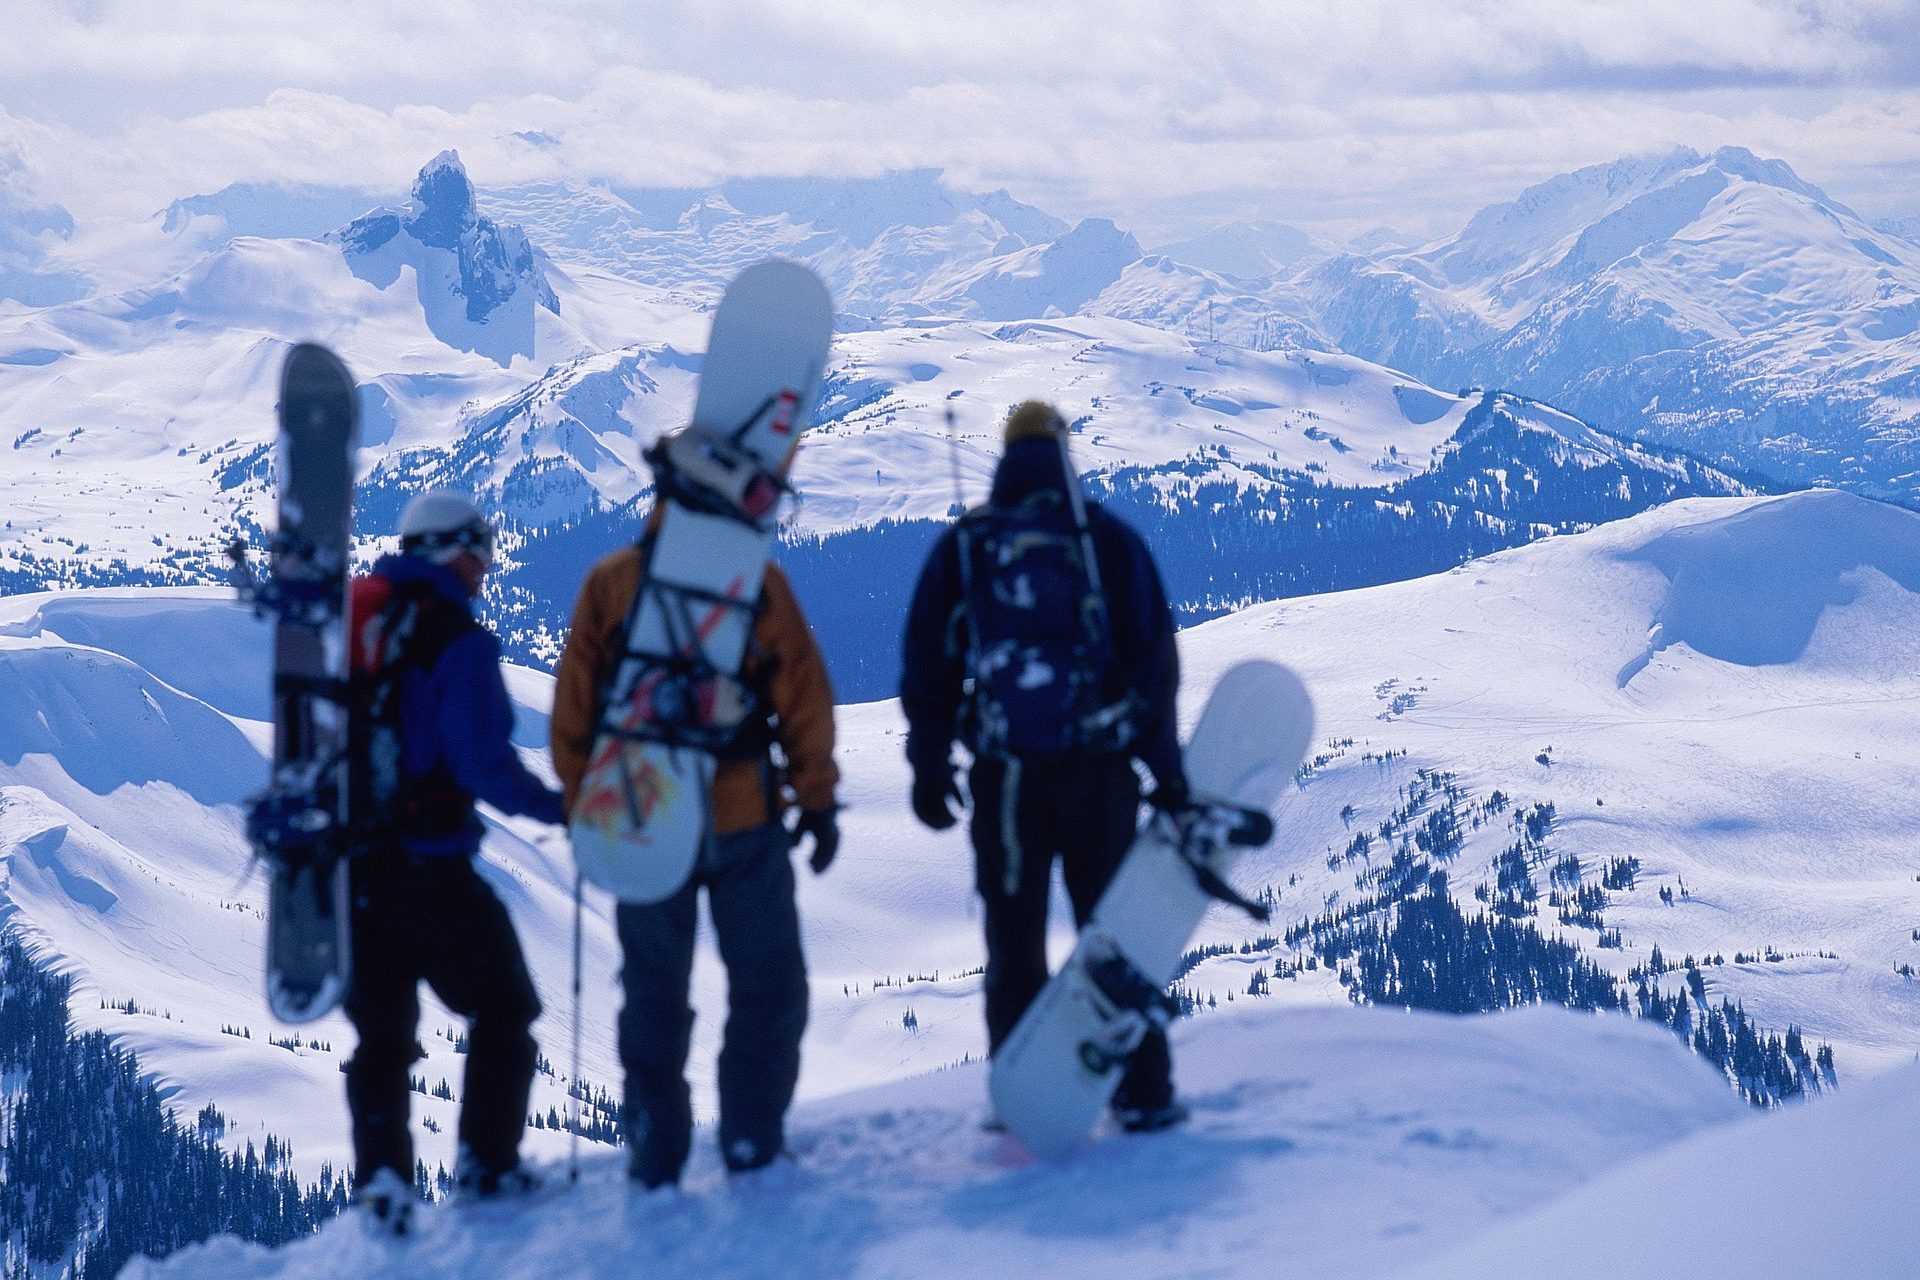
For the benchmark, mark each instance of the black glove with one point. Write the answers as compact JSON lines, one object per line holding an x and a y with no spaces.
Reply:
{"x":824,"y":826}
{"x":932,"y":788}
{"x":1171,"y":796}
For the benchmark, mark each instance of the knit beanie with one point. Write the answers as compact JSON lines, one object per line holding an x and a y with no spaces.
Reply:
{"x":1034,"y":420}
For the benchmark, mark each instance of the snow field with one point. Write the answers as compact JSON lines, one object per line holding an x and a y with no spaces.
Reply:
{"x":1330,"y":1142}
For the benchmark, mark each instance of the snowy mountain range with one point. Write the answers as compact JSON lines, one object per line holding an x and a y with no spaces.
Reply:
{"x":141,"y":427}
{"x":1716,"y":302}
{"x":1692,"y":725}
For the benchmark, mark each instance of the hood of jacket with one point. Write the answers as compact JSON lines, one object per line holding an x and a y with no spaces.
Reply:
{"x":1026,"y":468}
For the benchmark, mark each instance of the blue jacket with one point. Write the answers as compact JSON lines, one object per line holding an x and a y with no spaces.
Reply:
{"x":934,"y":669}
{"x":456,"y":713}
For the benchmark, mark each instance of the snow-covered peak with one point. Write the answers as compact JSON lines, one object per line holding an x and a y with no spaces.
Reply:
{"x":479,"y":280}
{"x":442,"y":209}
{"x":1245,"y":250}
{"x":1671,"y":214}
{"x":1055,"y":279}
{"x":1384,"y":1136}
{"x":1741,"y":163}
{"x":1503,"y":236}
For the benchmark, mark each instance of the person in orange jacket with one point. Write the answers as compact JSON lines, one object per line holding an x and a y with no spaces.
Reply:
{"x":744,"y":869}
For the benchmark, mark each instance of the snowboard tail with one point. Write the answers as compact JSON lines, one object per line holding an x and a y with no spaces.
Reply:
{"x":1063,"y":1060}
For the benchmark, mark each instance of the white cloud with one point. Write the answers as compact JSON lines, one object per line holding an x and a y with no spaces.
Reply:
{"x":1167,"y":117}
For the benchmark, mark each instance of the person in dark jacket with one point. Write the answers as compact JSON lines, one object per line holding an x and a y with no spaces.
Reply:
{"x":421,"y":911}
{"x":1039,"y":794}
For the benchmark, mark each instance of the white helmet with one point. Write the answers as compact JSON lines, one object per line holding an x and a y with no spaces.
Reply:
{"x":441,"y":526}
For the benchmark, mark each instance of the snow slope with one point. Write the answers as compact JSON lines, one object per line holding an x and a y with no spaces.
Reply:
{"x":1328,"y":1143}
{"x":128,"y":739}
{"x":1824,"y":1190}
{"x":1754,"y":750}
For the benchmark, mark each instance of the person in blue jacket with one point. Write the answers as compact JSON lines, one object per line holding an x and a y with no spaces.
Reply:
{"x":1056,"y":670}
{"x":441,"y":720}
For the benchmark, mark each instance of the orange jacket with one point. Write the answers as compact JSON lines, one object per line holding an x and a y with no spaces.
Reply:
{"x":783,"y":662}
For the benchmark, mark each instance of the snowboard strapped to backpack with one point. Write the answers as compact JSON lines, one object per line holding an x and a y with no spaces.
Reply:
{"x":1044,"y":673}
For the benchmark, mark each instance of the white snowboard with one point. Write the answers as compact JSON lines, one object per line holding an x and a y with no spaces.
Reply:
{"x":641,"y":815}
{"x":1050,"y":1080}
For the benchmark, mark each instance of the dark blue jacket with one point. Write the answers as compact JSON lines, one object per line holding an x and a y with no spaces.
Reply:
{"x":1143,"y":632}
{"x":456,"y":713}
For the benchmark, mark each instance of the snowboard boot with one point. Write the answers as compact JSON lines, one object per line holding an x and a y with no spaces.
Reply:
{"x":650,"y":1170}
{"x":475,"y":1181}
{"x":745,"y":1156}
{"x":1151,"y":1119}
{"x":386,"y":1204}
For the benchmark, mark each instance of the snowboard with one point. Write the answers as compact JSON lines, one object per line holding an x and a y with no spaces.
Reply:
{"x":640,"y":817}
{"x":1063,"y":1060}
{"x":299,"y":826}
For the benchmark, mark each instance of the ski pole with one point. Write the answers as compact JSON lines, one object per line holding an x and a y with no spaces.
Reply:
{"x":573,"y":1092}
{"x":1077,"y":502}
{"x":953,"y":459}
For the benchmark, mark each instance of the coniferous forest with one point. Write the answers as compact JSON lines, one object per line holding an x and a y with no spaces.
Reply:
{"x":95,"y":1169}
{"x":1405,"y":940}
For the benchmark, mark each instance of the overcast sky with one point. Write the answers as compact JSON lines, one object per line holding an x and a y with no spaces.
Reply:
{"x":1171,"y":117}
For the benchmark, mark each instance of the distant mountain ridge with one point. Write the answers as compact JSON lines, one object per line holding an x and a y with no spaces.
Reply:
{"x":1716,"y":302}
{"x":534,"y":381}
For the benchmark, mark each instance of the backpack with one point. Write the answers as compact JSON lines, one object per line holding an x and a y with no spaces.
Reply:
{"x":396,"y":628}
{"x":1040,"y":655}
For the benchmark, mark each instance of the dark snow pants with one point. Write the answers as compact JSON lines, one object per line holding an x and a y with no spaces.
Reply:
{"x":434,"y":919}
{"x":1025,"y":814}
{"x":749,"y":884}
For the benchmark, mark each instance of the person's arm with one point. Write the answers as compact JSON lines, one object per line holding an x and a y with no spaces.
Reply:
{"x":476,"y":731}
{"x":1144,"y":635}
{"x":576,"y":688}
{"x":933,"y":666}
{"x":802,"y":695}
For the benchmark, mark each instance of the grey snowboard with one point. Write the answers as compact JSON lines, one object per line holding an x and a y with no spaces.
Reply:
{"x":300,"y":825}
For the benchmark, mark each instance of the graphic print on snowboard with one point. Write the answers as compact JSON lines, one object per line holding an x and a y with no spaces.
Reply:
{"x":674,"y":698}
{"x":300,"y":825}
{"x":1062,"y":1062}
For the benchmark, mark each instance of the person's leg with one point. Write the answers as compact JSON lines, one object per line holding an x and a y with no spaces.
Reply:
{"x":383,"y":1004}
{"x":475,"y":965}
{"x":1013,"y":861}
{"x":656,"y":1028}
{"x":1106,"y":797}
{"x":758,"y":927}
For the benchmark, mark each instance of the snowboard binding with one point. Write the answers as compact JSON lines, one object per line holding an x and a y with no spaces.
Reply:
{"x":1198,"y":830}
{"x":307,"y":596}
{"x":293,"y":827}
{"x":1135,"y":1007}
{"x":717,"y":474}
